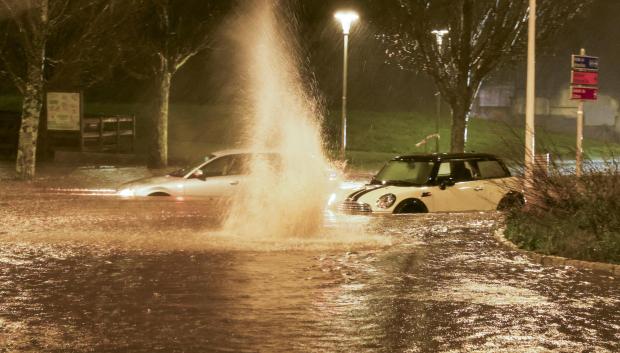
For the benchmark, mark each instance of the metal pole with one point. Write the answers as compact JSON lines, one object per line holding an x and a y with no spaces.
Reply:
{"x":437,"y":121}
{"x":579,"y":149}
{"x":530,"y":105}
{"x":439,"y":36}
{"x":345,"y":65}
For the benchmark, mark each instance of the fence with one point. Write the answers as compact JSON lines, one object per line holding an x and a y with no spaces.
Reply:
{"x":108,"y":134}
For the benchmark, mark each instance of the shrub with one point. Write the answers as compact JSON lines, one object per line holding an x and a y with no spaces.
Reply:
{"x":570,"y":216}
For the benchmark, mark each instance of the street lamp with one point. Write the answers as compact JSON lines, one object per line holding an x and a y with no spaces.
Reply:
{"x":439,"y":33}
{"x":346,"y":18}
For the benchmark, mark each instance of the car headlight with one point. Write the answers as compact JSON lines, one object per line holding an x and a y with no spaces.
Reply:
{"x":386,"y":201}
{"x":128,"y":192}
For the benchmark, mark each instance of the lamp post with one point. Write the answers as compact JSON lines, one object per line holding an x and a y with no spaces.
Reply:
{"x":346,"y":18}
{"x":439,"y":33}
{"x":530,"y":108}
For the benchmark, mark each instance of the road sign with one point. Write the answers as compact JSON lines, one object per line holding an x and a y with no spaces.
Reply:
{"x":586,"y":78}
{"x":584,"y":93}
{"x":585,"y":62}
{"x":582,"y":62}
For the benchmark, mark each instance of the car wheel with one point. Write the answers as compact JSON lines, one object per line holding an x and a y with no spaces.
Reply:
{"x":160,"y":194}
{"x":512,"y":200}
{"x":411,"y":206}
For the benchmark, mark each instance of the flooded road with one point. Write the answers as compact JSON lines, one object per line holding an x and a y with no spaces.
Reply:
{"x":93,"y":273}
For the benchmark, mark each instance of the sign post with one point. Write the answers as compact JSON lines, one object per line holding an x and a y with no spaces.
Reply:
{"x":584,"y":86}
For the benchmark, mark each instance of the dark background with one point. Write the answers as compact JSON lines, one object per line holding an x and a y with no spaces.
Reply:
{"x":374,"y":84}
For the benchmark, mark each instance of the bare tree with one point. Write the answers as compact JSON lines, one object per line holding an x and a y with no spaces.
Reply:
{"x":31,"y":20}
{"x":31,"y":30}
{"x":170,"y":33}
{"x":483,"y":34}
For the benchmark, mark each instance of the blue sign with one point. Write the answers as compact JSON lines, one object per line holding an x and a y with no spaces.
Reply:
{"x":582,"y":62}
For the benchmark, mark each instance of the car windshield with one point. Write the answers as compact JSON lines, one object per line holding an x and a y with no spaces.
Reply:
{"x":404,"y":172}
{"x":179,"y":173}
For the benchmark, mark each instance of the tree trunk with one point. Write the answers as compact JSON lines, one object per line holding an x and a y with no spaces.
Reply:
{"x":459,"y":126}
{"x":462,"y":103}
{"x":31,"y":111}
{"x":158,"y":153}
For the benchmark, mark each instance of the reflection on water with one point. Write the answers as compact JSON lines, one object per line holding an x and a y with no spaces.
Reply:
{"x":93,"y":274}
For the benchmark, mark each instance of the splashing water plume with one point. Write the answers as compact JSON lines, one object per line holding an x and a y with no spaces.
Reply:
{"x":283,"y":117}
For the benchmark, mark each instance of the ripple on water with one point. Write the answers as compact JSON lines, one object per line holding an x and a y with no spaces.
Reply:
{"x":167,"y":279}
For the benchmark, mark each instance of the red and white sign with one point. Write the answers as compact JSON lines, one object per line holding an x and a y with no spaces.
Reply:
{"x":584,"y":93}
{"x":588,"y":78}
{"x":584,"y":77}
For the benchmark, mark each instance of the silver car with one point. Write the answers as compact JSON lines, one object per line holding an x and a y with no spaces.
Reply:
{"x":218,"y":176}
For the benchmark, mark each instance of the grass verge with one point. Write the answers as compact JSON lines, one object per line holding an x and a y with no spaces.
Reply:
{"x":373,"y":137}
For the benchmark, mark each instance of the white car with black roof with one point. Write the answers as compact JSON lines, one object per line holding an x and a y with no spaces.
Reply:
{"x":448,"y":182}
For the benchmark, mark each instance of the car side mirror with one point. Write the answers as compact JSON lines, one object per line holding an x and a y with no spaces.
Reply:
{"x":199,"y":174}
{"x":444,"y":183}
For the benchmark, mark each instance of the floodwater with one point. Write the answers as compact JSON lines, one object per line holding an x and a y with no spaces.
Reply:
{"x":83,"y":271}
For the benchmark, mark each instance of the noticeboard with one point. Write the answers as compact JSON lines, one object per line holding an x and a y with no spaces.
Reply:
{"x":64,"y":111}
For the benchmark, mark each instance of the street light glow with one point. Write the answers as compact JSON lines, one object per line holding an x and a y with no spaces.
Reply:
{"x":346,"y":18}
{"x":439,"y":33}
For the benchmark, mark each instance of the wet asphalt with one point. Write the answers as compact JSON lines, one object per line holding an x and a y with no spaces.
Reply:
{"x":84,"y":271}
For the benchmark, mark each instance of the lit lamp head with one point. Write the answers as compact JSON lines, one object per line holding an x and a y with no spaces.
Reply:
{"x":346,"y":18}
{"x":439,"y":33}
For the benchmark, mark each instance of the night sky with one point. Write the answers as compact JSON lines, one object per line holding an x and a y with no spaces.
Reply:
{"x":599,"y":33}
{"x":384,"y":87}
{"x":374,"y":84}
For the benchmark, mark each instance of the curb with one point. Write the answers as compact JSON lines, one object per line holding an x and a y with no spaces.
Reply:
{"x":548,"y":260}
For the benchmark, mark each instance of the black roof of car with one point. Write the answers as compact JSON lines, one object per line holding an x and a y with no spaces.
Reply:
{"x":444,"y":156}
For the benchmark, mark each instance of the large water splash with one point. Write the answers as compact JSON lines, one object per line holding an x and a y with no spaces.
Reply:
{"x":283,"y":117}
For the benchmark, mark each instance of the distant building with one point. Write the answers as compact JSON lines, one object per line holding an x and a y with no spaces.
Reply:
{"x":558,"y":113}
{"x":495,"y":102}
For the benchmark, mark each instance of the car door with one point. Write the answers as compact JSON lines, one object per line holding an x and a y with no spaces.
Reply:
{"x":493,"y":180}
{"x":221,"y":178}
{"x":465,"y":193}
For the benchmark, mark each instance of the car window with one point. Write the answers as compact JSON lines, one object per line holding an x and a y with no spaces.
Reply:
{"x":408,"y":171}
{"x":239,"y":165}
{"x":457,"y":170}
{"x":444,"y":170}
{"x":491,"y":169}
{"x":183,"y":171}
{"x":217,"y":167}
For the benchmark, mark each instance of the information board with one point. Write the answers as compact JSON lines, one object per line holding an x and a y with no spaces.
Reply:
{"x":64,"y":111}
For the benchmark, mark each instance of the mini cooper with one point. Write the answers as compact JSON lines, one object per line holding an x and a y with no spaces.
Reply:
{"x":438,"y":183}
